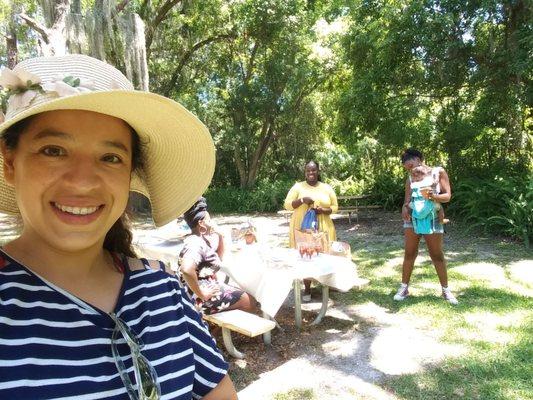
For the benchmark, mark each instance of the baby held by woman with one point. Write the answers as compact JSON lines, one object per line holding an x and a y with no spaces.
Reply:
{"x":423,"y":186}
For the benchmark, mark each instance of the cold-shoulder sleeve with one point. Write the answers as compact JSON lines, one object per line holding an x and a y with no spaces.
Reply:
{"x":192,"y":249}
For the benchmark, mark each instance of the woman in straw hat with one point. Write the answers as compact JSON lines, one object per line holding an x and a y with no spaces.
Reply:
{"x":80,"y":316}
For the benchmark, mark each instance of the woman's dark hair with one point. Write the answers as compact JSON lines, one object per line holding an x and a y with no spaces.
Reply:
{"x":410,"y":154}
{"x":318,"y":177}
{"x":119,"y":238}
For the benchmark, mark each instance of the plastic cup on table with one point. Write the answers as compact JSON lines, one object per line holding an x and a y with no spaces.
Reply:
{"x":302,"y":249}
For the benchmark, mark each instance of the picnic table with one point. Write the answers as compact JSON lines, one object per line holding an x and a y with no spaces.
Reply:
{"x":268,"y":274}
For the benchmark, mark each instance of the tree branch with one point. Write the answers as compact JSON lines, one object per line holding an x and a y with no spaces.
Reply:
{"x":251,"y":63}
{"x":36,"y":26}
{"x":187,"y":56}
{"x":121,"y":6}
{"x":161,"y":14}
{"x":61,"y":10}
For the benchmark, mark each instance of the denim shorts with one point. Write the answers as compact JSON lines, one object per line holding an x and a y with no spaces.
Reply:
{"x":439,"y":228}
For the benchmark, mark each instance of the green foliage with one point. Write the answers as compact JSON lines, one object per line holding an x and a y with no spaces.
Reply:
{"x":432,"y":75}
{"x":500,"y":205}
{"x":348,"y":186}
{"x":388,"y":191}
{"x":349,"y":84}
{"x":267,"y":196}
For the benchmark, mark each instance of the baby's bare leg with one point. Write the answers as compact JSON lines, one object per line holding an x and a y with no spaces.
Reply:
{"x":442,"y":219}
{"x":441,"y":215}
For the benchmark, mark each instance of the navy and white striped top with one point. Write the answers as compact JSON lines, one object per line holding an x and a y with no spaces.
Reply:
{"x":54,"y":345}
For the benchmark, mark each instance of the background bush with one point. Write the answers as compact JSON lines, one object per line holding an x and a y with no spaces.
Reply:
{"x":267,"y":196}
{"x":499,"y":205}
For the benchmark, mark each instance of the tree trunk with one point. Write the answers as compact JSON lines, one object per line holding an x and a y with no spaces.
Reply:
{"x":11,"y":41}
{"x":267,"y":133}
{"x":240,"y":167}
{"x":52,"y":35}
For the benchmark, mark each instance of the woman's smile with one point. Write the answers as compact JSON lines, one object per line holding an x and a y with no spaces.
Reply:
{"x":77,"y":215}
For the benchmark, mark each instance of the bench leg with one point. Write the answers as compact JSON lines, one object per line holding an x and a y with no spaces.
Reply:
{"x":324,"y":308}
{"x":267,"y":338}
{"x":297,"y":287}
{"x":350,"y":217}
{"x":226,"y":337}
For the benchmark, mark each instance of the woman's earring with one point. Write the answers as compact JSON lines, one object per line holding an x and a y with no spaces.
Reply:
{"x":203,"y":230}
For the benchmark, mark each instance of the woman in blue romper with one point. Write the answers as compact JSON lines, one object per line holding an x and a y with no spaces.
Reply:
{"x":80,"y":316}
{"x":412,"y":158}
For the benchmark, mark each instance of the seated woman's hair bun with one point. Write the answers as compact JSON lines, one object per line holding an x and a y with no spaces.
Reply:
{"x":196,"y":213}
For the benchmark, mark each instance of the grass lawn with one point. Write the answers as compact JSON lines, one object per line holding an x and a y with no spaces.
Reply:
{"x":493,"y":323}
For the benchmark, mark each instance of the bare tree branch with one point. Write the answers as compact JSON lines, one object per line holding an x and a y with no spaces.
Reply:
{"x":251,"y":63}
{"x":36,"y":26}
{"x":11,"y":42}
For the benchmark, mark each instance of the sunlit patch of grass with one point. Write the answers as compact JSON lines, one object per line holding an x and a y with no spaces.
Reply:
{"x":488,"y":371}
{"x":242,"y":376}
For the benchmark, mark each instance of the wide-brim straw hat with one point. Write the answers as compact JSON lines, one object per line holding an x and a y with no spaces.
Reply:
{"x":178,"y":152}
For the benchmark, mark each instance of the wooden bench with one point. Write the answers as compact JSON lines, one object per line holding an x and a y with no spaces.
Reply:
{"x":354,"y":209}
{"x":240,"y":321}
{"x":343,"y":209}
{"x":286,"y":213}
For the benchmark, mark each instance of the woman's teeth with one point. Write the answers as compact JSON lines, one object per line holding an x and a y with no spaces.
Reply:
{"x":76,"y":210}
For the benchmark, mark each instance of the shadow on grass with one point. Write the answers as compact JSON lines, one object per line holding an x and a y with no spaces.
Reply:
{"x":474,"y":298}
{"x":501,"y":376}
{"x":478,"y":298}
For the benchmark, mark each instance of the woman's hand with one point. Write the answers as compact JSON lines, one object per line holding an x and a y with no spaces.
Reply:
{"x":406,"y":213}
{"x":209,"y":291}
{"x":323,"y":210}
{"x":307,"y":200}
{"x":426,"y":193}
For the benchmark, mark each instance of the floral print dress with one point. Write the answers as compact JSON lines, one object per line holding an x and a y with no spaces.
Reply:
{"x":202,"y":251}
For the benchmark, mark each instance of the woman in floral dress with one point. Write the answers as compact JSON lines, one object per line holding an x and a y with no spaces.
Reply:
{"x":201,"y":258}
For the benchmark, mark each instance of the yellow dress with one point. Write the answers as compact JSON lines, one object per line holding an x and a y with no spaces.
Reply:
{"x":323,"y":196}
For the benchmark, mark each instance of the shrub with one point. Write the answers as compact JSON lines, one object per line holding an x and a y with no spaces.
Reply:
{"x":265,"y":197}
{"x":388,"y":191}
{"x":498,"y":205}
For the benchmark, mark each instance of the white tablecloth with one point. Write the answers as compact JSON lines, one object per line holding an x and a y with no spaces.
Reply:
{"x":268,"y":273}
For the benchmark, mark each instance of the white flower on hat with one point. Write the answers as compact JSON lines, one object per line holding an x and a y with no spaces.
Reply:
{"x":22,"y":86}
{"x":19,"y":79}
{"x":69,"y":86}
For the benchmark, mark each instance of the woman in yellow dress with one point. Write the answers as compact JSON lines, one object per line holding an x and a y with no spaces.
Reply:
{"x":312,"y":193}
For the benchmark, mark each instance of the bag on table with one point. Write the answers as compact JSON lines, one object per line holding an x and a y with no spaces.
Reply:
{"x":320,"y":238}
{"x":310,"y":220}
